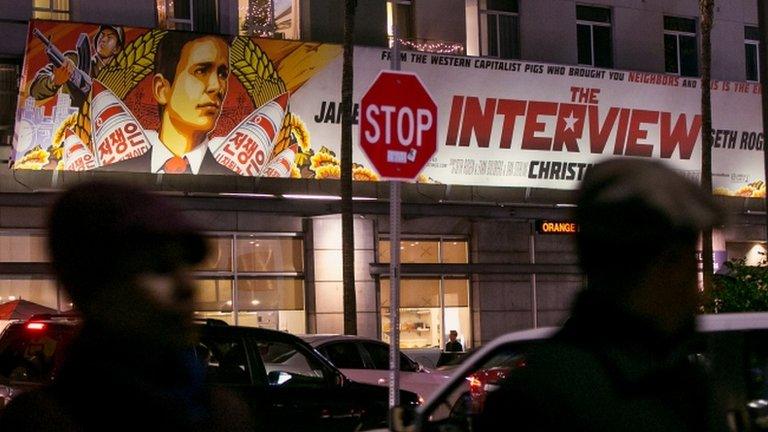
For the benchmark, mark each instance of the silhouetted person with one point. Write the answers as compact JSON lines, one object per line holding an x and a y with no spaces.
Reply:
{"x":453,"y":345}
{"x":124,"y":257}
{"x":620,"y":363}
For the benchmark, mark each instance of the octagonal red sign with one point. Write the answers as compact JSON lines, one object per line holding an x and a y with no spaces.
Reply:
{"x":398,"y":125}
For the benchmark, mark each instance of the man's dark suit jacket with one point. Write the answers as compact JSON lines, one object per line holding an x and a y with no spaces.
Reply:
{"x":143,"y":164}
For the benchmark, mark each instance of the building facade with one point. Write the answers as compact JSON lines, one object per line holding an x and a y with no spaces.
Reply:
{"x":477,"y":263}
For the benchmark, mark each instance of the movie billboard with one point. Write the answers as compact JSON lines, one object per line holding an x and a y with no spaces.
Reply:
{"x":149,"y":100}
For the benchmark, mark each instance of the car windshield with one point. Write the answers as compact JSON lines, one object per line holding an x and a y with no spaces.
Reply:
{"x":31,"y":353}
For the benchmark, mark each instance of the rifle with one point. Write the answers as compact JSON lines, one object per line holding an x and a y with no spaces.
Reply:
{"x":80,"y":77}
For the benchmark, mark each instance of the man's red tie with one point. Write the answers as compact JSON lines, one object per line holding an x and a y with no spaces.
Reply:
{"x":177,"y":165}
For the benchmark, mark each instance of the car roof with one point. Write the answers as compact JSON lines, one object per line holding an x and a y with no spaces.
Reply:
{"x":320,"y":339}
{"x":732,"y":321}
{"x":704,"y":323}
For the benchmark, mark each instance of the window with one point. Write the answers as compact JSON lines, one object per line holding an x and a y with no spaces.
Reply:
{"x":680,"y":53}
{"x":752,"y":52}
{"x":224,"y":360}
{"x":379,"y":354}
{"x":29,"y":248}
{"x":499,"y":28}
{"x":9,"y":93}
{"x":51,"y":9}
{"x":254,"y":280}
{"x":287,"y":366}
{"x":194,"y":15}
{"x":405,"y":28}
{"x":23,"y":247}
{"x":593,"y":29}
{"x":269,"y":18}
{"x":40,"y":291}
{"x":430,"y":305}
{"x":343,"y":355}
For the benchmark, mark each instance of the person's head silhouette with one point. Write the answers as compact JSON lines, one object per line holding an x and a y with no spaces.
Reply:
{"x":123,"y":255}
{"x":638,"y":226}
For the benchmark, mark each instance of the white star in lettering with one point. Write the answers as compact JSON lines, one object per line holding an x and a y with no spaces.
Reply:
{"x":570,"y":121}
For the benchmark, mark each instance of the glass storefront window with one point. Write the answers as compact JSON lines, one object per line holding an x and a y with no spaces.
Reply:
{"x":432,"y":305}
{"x":272,"y":303}
{"x":268,"y":294}
{"x":456,"y":292}
{"x":258,"y":254}
{"x":23,"y":248}
{"x":214,"y":295}
{"x":40,"y":291}
{"x":267,"y":282}
{"x":220,"y":255}
{"x":414,"y":292}
{"x":454,"y":252}
{"x":412,"y":251}
{"x":214,"y":299}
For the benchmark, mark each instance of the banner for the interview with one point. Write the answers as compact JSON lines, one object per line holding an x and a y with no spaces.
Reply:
{"x":164,"y":101}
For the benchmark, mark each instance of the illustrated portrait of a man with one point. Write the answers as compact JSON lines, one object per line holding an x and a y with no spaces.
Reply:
{"x":189,"y":85}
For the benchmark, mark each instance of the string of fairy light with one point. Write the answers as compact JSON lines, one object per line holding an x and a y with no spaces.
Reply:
{"x":258,"y":21}
{"x":433,"y":46}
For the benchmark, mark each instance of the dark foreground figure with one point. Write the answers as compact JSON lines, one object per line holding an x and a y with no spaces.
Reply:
{"x":621,"y":363}
{"x":124,"y":257}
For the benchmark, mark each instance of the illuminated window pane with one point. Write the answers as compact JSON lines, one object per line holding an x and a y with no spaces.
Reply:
{"x":269,"y":294}
{"x":60,"y":5}
{"x":23,"y":248}
{"x":220,"y":255}
{"x":384,"y":251}
{"x":214,"y":295}
{"x":412,"y":251}
{"x":419,"y":252}
{"x":455,"y":252}
{"x":42,"y":4}
{"x":419,"y":327}
{"x":41,"y":14}
{"x":414,"y":292}
{"x":270,"y":255}
{"x":456,"y":292}
{"x":40,"y":291}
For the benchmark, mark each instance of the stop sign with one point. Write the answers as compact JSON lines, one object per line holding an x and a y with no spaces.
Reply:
{"x":398,"y":125}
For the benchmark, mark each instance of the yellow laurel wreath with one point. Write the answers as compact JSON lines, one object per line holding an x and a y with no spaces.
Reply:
{"x":132,"y":64}
{"x":255,"y":71}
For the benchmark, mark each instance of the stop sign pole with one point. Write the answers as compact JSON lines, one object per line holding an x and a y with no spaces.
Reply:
{"x":394,"y":254}
{"x":398,"y":134}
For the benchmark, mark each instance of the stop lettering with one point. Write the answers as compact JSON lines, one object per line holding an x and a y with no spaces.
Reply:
{"x":398,"y":128}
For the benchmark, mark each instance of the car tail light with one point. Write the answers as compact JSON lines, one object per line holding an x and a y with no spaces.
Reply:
{"x":482,"y":381}
{"x":36,"y":326}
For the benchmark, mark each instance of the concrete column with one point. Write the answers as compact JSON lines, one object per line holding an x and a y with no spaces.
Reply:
{"x":328,"y":314}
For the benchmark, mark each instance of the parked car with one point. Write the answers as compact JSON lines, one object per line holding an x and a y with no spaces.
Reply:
{"x":367,"y":360}
{"x":287,"y":384}
{"x":733,"y":346}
